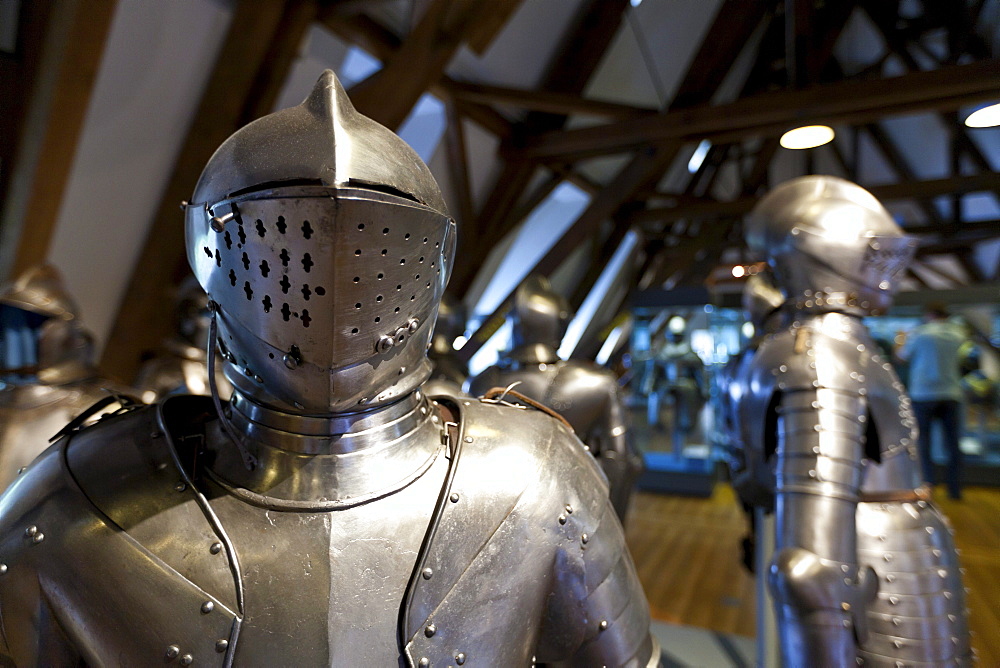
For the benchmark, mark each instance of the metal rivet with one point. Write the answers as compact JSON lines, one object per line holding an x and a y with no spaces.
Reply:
{"x":31,"y":531}
{"x":180,"y":487}
{"x":290,"y":361}
{"x":427,"y":573}
{"x":424,"y":662}
{"x":3,"y":569}
{"x":897,"y":644}
{"x":460,"y":658}
{"x":22,"y":470}
{"x":413,"y":325}
{"x":216,"y":548}
{"x":156,"y":434}
{"x":221,"y":645}
{"x":37,"y":538}
{"x":207,"y":607}
{"x":893,"y":600}
{"x":895,"y":621}
{"x":468,"y":439}
{"x":187,"y":660}
{"x":585,"y":538}
{"x":562,"y":519}
{"x":430,"y":630}
{"x":603,"y":625}
{"x":569,"y":508}
{"x":845,"y":606}
{"x":454,"y":497}
{"x":384,"y":343}
{"x":173,"y":652}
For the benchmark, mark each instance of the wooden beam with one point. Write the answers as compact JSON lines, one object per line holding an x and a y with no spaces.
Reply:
{"x":899,"y":165}
{"x":380,"y":42}
{"x":231,"y":97}
{"x":482,"y":34}
{"x":458,"y":163}
{"x":577,"y":59}
{"x":946,"y":229}
{"x":844,"y":102}
{"x":959,"y":241}
{"x":542,"y":100}
{"x":74,"y":45}
{"x":389,"y":95}
{"x":987,"y":181}
{"x":605,"y":250}
{"x":603,"y":206}
{"x":18,"y":78}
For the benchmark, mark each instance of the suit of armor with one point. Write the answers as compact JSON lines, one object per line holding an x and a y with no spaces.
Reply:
{"x":450,"y":372}
{"x":331,"y":514}
{"x":584,"y":393}
{"x":865,"y":568}
{"x":180,"y":368}
{"x":46,"y":378}
{"x":752,"y":475}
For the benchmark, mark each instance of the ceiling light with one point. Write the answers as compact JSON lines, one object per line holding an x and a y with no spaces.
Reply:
{"x":739,"y":271}
{"x":635,"y":3}
{"x":809,"y":136}
{"x":987,"y":117}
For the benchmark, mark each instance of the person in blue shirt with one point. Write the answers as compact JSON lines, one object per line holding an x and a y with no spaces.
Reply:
{"x":933,"y":351}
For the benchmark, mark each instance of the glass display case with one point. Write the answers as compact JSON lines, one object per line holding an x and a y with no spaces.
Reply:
{"x":675,"y":385}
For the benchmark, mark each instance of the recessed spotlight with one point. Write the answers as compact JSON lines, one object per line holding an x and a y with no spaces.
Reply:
{"x":809,"y":136}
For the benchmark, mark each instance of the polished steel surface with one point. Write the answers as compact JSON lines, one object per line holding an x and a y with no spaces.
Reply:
{"x":325,"y":242}
{"x":539,"y":317}
{"x":31,"y":414}
{"x":40,"y":289}
{"x":828,"y":411}
{"x":584,"y":393}
{"x":831,"y":245}
{"x":760,"y":299}
{"x":450,"y":372}
{"x":526,"y":507}
{"x":178,"y":370}
{"x":180,"y":366}
{"x":322,"y":141}
{"x":370,"y":525}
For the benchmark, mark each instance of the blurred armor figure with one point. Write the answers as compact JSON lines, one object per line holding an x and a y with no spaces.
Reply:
{"x":585,"y":394}
{"x":752,"y":474}
{"x":449,"y":373}
{"x":332,"y":514}
{"x":865,"y":569}
{"x":181,"y":368}
{"x":680,"y":376}
{"x":47,"y":375}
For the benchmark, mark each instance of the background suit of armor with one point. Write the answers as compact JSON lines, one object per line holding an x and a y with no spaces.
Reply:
{"x":752,"y":473}
{"x":865,"y":568}
{"x":311,"y":522}
{"x":180,"y":367}
{"x":37,"y":402}
{"x":584,"y":393}
{"x":450,"y":372}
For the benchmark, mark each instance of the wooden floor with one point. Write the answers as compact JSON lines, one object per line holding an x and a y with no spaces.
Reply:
{"x":687,"y":552}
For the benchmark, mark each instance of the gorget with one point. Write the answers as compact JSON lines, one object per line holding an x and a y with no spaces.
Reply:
{"x":325,"y":463}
